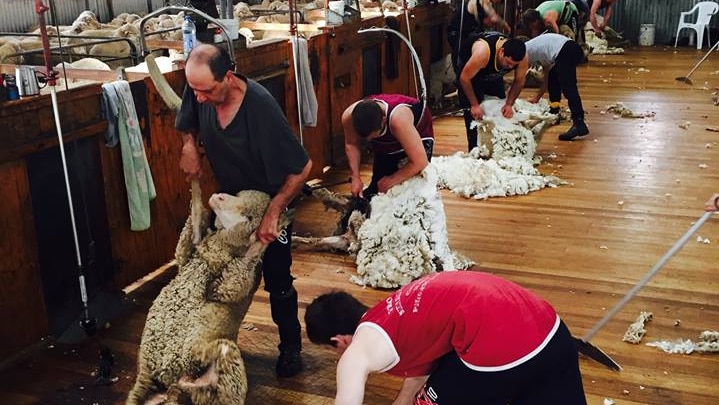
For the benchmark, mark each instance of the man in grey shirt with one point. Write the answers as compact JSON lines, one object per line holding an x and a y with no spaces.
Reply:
{"x":250,"y":146}
{"x":559,"y":57}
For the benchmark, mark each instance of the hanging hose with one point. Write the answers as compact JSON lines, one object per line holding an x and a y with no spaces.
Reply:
{"x":87,"y":324}
{"x":423,"y":86}
{"x":409,"y":37}
{"x":459,"y":34}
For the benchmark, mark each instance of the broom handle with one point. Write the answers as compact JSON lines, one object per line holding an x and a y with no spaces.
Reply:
{"x":674,"y":249}
{"x":702,"y":60}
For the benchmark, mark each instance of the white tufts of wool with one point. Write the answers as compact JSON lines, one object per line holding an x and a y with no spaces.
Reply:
{"x":708,"y":343}
{"x":636,"y":330}
{"x":619,"y":109}
{"x":405,"y":236}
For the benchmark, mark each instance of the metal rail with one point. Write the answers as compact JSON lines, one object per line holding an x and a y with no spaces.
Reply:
{"x":164,"y":10}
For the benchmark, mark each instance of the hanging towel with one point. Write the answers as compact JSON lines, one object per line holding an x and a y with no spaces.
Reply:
{"x":110,"y":108}
{"x":308,"y":99}
{"x":118,"y":101}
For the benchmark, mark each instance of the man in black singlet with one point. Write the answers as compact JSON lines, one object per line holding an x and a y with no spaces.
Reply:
{"x":484,"y":59}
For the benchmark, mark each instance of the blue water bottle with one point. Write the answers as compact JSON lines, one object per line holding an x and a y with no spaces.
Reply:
{"x":189,"y":37}
{"x":12,"y":91}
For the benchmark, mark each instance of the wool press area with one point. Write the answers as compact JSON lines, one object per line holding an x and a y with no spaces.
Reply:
{"x":609,"y":228}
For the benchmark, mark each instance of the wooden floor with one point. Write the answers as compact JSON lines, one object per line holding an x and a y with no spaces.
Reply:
{"x":550,"y":241}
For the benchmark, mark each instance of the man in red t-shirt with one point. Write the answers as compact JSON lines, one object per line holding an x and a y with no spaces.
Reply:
{"x":456,"y":338}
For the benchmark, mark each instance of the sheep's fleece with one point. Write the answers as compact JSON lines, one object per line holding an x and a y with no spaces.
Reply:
{"x":188,"y":353}
{"x":404,"y":238}
{"x":510,"y":171}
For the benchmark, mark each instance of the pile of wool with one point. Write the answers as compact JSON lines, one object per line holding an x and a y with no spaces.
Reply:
{"x":511,"y":145}
{"x":405,"y":236}
{"x":466,"y":175}
{"x":708,"y":343}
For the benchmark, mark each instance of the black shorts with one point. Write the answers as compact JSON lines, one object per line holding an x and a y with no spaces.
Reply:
{"x":551,"y":377}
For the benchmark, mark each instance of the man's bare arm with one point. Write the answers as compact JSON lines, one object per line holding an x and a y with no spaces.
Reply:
{"x":402,"y":125}
{"x":267,"y":231}
{"x":352,"y":150}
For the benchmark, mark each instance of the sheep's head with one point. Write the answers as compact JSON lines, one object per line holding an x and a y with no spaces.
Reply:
{"x":248,"y":207}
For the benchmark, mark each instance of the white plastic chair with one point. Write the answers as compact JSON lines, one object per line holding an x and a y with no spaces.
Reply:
{"x":705,"y":10}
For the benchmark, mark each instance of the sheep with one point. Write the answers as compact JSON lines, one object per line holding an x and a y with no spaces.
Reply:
{"x":188,"y":353}
{"x":511,"y":145}
{"x":441,"y":75}
{"x":404,"y":238}
{"x":10,"y":47}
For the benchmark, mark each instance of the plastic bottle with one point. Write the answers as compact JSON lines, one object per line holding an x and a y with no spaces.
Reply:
{"x":12,"y":90}
{"x":189,"y":38}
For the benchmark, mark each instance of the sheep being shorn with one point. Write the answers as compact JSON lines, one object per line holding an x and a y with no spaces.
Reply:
{"x":511,"y":145}
{"x":404,"y":238}
{"x":188,"y":353}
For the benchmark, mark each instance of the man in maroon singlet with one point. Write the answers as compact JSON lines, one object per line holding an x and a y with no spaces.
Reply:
{"x":398,"y":128}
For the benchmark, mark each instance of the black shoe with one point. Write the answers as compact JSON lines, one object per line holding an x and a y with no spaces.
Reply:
{"x":578,"y":129}
{"x":289,"y":364}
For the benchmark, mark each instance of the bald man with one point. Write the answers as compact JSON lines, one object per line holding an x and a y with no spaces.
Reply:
{"x":250,"y":146}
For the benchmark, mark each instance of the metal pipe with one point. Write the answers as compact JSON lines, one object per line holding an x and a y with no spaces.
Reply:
{"x":143,"y":20}
{"x":423,"y":95}
{"x":409,"y":37}
{"x":40,"y":9}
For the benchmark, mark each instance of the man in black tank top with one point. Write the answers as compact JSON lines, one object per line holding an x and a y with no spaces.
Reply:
{"x":483,"y":61}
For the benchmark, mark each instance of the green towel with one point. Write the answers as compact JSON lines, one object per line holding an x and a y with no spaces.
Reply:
{"x":138,"y":178}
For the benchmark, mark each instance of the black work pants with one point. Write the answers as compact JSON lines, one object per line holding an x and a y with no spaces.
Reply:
{"x":563,"y":79}
{"x":283,"y":297}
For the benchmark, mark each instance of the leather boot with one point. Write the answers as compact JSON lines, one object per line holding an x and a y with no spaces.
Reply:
{"x":284,"y":313}
{"x":579,"y":128}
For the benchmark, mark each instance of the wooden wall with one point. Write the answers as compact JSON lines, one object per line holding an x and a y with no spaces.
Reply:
{"x":117,"y":255}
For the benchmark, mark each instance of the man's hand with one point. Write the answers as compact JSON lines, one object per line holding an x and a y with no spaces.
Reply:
{"x":190,"y":161}
{"x":384,"y":184}
{"x":507,"y":111}
{"x":267,"y":232}
{"x":357,"y":186}
{"x":477,"y":112}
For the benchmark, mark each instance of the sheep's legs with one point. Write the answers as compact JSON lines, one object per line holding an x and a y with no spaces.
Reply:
{"x":330,"y":243}
{"x":145,"y":391}
{"x":224,"y":380}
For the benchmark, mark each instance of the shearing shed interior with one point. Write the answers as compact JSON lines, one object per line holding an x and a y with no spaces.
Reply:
{"x":521,"y":196}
